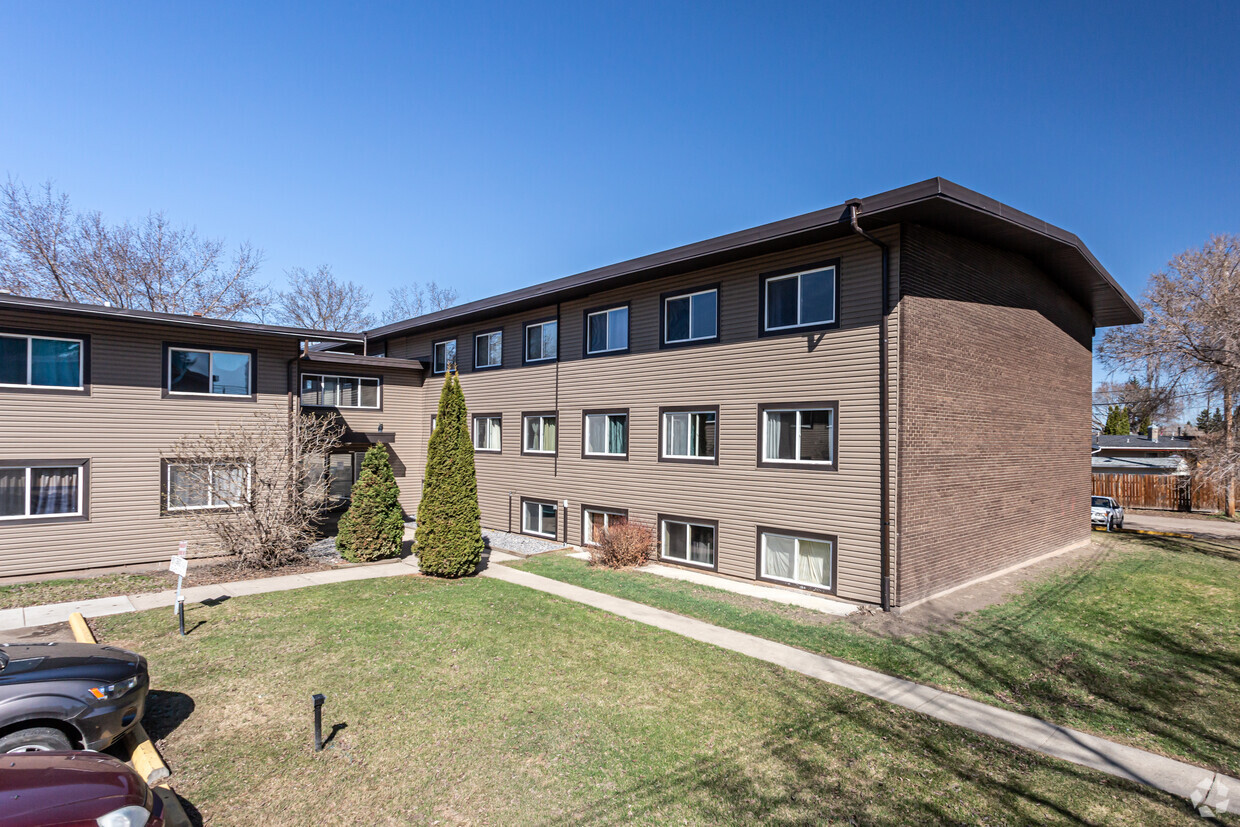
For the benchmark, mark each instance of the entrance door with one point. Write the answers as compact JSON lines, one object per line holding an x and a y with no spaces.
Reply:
{"x":340,"y":475}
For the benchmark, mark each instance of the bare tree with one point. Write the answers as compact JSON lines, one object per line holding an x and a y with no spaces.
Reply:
{"x":412,"y":300}
{"x":320,"y":301}
{"x":49,"y":251}
{"x":1145,"y":401}
{"x":253,"y":484}
{"x":1191,"y":336}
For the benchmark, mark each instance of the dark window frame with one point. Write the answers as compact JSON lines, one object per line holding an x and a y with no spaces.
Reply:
{"x":491,"y":331}
{"x":585,"y":509}
{"x":628,"y":433}
{"x":556,"y":452}
{"x":689,"y":409}
{"x":833,"y":406}
{"x":540,"y":501}
{"x":789,"y":271}
{"x":166,"y":368}
{"x":83,"y":493}
{"x":473,"y":433}
{"x":300,"y":390}
{"x":672,"y":561}
{"x":833,"y":539}
{"x":525,"y":327}
{"x":84,"y":338}
{"x":664,"y":298}
{"x":585,"y":330}
{"x":456,"y":341}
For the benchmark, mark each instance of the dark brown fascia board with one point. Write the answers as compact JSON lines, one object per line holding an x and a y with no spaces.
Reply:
{"x":337,"y":358}
{"x":936,"y":201}
{"x":55,"y":306}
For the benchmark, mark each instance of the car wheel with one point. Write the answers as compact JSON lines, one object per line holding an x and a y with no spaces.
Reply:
{"x":35,"y":739}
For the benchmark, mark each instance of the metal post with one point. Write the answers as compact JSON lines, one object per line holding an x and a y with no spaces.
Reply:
{"x":181,"y":614}
{"x":318,"y":722}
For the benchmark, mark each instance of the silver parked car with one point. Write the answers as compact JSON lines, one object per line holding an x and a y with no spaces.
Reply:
{"x":1105,"y":511}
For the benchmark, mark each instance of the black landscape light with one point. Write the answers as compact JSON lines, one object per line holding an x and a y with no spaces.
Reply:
{"x":318,"y":722}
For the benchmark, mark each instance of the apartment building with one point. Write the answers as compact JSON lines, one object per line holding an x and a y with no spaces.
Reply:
{"x":809,"y":403}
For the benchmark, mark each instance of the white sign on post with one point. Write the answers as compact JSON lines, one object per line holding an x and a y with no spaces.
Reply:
{"x":179,"y":566}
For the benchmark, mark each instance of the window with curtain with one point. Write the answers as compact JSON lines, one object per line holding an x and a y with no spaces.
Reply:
{"x":489,"y":349}
{"x":798,"y":435}
{"x":322,"y":391}
{"x":607,"y":330}
{"x":444,"y":358}
{"x":805,"y":561}
{"x":209,"y":372}
{"x":487,"y":433}
{"x":607,"y":434}
{"x":541,"y":341}
{"x":800,"y":299}
{"x":689,"y":434}
{"x":41,"y":491}
{"x":687,"y":542}
{"x":538,"y":518}
{"x":692,"y":317}
{"x":196,"y":485}
{"x":40,"y":361}
{"x":540,"y":434}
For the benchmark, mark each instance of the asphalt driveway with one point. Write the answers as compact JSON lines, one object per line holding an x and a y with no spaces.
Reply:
{"x":1207,"y":529}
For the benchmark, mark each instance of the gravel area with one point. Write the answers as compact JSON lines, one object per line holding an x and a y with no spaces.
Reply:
{"x":324,"y":551}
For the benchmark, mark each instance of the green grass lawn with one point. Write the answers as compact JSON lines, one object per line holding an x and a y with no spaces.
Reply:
{"x":38,"y":592}
{"x":1141,"y":646}
{"x":478,"y":701}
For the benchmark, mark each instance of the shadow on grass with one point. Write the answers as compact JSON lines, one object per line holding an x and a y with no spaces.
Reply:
{"x":165,"y":711}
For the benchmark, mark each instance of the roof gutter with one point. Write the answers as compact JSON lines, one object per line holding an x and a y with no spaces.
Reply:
{"x":884,"y":438}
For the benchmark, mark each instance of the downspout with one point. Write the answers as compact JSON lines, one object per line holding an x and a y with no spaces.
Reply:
{"x":884,"y":439}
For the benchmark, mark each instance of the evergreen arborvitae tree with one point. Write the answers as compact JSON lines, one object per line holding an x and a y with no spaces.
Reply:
{"x":374,"y":525}
{"x":449,"y":534}
{"x":1144,"y":427}
{"x":1117,"y":421}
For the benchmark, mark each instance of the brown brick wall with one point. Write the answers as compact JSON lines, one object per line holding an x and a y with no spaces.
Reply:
{"x":995,"y":413}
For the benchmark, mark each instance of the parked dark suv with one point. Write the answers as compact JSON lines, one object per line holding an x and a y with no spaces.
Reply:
{"x":61,"y":696}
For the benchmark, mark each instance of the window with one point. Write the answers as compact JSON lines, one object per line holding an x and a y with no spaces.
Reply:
{"x":607,"y":331}
{"x":689,"y":434}
{"x":684,"y":541}
{"x":444,"y":358}
{"x":691,"y":317}
{"x":541,"y":341}
{"x":594,"y":520}
{"x":607,"y":434}
{"x":803,"y":560}
{"x":489,"y":350}
{"x":322,"y":391}
{"x":196,"y":485}
{"x":209,"y":372}
{"x":798,"y":434}
{"x":41,"y":362}
{"x":42,"y":491}
{"x":487,"y":432}
{"x":434,"y":422}
{"x":538,"y":518}
{"x":539,"y":434}
{"x":804,"y":298}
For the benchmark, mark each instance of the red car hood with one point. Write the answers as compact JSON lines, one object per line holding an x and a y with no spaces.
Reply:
{"x":46,"y":789}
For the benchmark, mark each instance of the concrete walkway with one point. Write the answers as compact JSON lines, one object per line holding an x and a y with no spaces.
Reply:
{"x":1202,"y":787}
{"x":1205,"y":529}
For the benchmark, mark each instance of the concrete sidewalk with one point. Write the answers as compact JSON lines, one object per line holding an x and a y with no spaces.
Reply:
{"x":1202,"y":787}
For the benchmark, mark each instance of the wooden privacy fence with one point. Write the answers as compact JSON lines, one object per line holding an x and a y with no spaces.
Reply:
{"x":1162,"y":491}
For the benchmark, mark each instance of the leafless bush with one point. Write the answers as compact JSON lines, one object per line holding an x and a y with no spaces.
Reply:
{"x":255,"y":486}
{"x":624,"y":544}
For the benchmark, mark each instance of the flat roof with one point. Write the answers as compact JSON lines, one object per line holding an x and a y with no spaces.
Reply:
{"x":179,"y":319}
{"x":332,"y":357}
{"x":936,"y":202}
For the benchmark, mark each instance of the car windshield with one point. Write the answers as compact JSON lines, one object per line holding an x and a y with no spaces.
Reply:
{"x":1101,"y":502}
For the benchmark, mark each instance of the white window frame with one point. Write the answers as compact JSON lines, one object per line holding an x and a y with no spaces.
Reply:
{"x":796,"y":552}
{"x":81,"y":343}
{"x":555,"y":507}
{"x":585,"y":437}
{"x":525,"y":341}
{"x":667,"y":317}
{"x":541,"y":421}
{"x":249,"y":378}
{"x":587,"y":528}
{"x":477,"y":350}
{"x":486,"y":418}
{"x":766,"y":298}
{"x":606,"y":312}
{"x":81,"y":490}
{"x":448,"y":365}
{"x":766,"y":458}
{"x":663,"y":523}
{"x":667,"y":437}
{"x":249,"y":485}
{"x":322,"y":377}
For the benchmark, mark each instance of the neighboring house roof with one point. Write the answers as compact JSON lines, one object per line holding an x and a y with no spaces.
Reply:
{"x":150,"y":316}
{"x":328,"y":357}
{"x":1109,"y":442}
{"x":937,"y":203}
{"x":1166,"y":465}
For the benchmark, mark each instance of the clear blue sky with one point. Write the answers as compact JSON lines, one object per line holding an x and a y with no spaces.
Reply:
{"x":494,"y":146}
